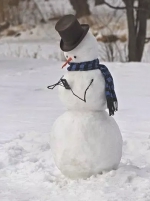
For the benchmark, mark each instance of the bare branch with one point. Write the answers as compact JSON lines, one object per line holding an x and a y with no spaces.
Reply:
{"x":114,"y":7}
{"x":120,"y":8}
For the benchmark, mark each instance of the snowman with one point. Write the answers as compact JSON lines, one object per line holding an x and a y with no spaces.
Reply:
{"x":85,"y":140}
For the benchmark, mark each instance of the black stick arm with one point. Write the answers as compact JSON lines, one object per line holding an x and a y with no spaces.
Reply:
{"x":54,"y":85}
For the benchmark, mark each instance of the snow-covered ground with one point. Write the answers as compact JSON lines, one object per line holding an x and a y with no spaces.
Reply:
{"x":28,"y":110}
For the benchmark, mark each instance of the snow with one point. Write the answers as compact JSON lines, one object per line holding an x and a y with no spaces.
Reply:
{"x":28,"y":110}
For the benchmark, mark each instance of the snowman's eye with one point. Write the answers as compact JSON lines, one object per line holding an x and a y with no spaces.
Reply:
{"x":75,"y":57}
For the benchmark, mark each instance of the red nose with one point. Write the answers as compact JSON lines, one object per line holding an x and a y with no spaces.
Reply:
{"x":68,"y":60}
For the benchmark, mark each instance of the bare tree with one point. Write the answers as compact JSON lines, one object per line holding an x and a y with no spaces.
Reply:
{"x":81,"y":7}
{"x":137,"y":26}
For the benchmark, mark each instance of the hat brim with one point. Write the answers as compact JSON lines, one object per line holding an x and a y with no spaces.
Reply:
{"x":66,"y":48}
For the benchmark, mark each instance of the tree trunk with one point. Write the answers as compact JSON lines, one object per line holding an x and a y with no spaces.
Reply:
{"x":131,"y":31}
{"x":142,"y":27}
{"x":81,"y":7}
{"x":148,"y":10}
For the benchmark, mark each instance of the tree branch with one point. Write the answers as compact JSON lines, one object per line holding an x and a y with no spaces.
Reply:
{"x":120,"y":8}
{"x":114,"y":7}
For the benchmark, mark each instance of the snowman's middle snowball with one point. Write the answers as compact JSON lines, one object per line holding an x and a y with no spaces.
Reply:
{"x":79,"y":81}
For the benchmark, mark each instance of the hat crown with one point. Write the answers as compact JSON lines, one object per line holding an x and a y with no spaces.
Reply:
{"x":65,"y":22}
{"x":70,"y":31}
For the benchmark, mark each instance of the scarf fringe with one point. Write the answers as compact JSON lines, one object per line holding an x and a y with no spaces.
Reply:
{"x":112,"y":106}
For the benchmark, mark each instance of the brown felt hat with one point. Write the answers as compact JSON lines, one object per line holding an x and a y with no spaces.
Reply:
{"x":71,"y":32}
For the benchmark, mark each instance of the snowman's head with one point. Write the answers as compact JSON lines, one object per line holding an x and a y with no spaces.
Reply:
{"x":87,"y":50}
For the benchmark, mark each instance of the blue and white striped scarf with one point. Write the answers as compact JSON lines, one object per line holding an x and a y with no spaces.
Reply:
{"x":112,"y":103}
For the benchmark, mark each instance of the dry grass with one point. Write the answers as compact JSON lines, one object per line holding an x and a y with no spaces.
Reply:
{"x":11,"y":32}
{"x":108,"y":38}
{"x":15,"y":30}
{"x":111,"y":38}
{"x":123,"y":38}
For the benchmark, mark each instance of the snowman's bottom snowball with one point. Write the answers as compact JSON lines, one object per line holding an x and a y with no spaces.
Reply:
{"x":85,"y":143}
